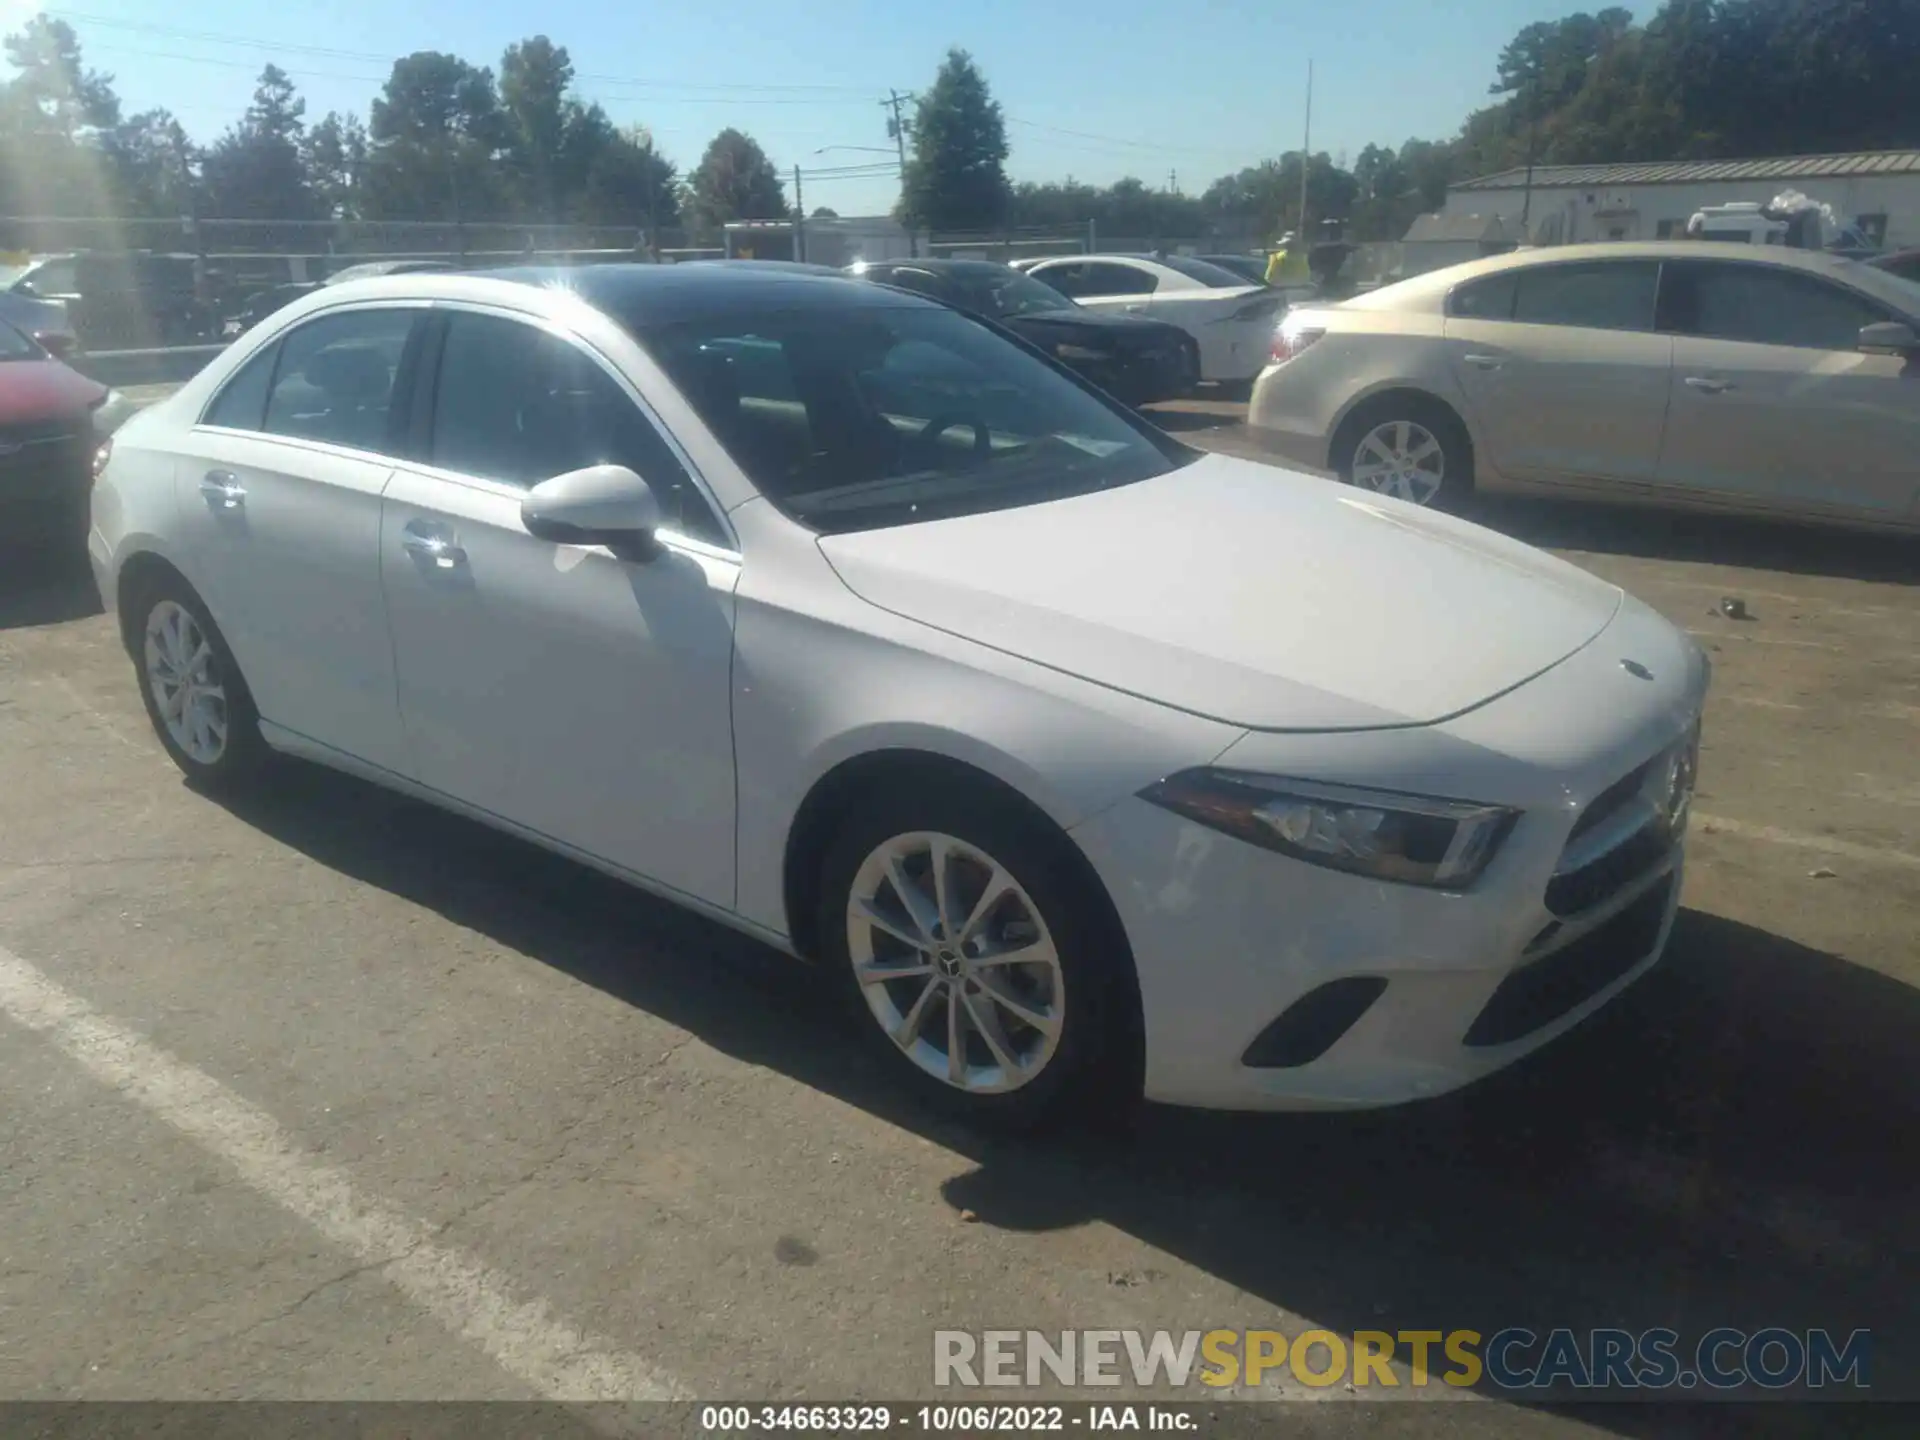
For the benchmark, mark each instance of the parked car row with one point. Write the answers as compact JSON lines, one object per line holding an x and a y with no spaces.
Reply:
{"x":946,"y":672}
{"x":1720,"y":377}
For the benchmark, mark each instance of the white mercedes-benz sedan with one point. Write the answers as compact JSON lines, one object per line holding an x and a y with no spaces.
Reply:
{"x":1086,"y":764}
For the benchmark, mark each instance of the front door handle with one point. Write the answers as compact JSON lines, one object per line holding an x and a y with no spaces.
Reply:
{"x":1707,"y":385}
{"x":1484,"y":362}
{"x":223,"y":490}
{"x":432,"y":545}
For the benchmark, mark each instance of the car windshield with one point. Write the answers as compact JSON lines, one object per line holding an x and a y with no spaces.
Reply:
{"x":1214,"y":277}
{"x":861,"y":417}
{"x":1004,"y":297}
{"x":15,"y":346}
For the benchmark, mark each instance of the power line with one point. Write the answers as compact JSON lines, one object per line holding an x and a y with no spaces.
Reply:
{"x":329,"y":52}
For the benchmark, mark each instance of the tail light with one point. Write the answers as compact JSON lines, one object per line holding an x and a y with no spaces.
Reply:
{"x":1290,"y":340}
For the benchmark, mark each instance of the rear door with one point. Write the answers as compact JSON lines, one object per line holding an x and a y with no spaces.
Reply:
{"x":1774,"y":403}
{"x":280,"y":511}
{"x":1564,"y":370}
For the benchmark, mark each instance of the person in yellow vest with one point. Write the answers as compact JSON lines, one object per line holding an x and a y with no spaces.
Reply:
{"x":1288,"y":262}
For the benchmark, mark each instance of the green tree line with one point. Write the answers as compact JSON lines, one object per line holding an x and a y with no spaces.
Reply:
{"x":446,"y":139}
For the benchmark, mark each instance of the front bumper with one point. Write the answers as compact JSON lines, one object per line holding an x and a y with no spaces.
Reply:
{"x":1167,"y":373}
{"x":1436,"y":989}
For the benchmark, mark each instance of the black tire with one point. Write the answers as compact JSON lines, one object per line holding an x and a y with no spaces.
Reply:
{"x":1089,"y":1063}
{"x":244,"y":753}
{"x":1455,"y":487}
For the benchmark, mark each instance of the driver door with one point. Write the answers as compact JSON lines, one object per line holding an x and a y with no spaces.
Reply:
{"x":581,"y":696}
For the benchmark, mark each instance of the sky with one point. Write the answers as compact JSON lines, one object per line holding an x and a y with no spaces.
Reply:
{"x":1176,"y":95}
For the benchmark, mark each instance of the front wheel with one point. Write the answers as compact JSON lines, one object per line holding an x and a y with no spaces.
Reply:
{"x":975,"y":957}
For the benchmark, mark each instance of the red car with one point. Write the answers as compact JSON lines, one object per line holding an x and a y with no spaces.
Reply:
{"x":53,"y":421}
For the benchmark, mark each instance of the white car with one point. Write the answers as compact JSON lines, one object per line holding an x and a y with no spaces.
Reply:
{"x":1717,"y":377}
{"x":1083,"y":762}
{"x":1229,"y":318}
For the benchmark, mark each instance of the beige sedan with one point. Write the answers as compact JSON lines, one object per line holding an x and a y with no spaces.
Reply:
{"x":1728,"y":377}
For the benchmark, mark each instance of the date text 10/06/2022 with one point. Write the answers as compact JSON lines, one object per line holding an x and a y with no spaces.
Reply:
{"x":938,"y":1419}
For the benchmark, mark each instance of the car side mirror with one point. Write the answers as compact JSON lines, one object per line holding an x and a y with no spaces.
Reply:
{"x":1890,"y":337}
{"x":601,"y":505}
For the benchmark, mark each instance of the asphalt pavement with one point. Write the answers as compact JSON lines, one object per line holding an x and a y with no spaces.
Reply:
{"x":325,"y":1095}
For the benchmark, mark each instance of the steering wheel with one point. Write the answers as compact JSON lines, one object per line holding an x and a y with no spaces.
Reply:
{"x":929,"y":437}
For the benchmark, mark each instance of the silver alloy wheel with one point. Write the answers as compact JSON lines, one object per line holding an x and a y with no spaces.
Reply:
{"x":1401,"y":458}
{"x":184,"y":676}
{"x":955,"y":962}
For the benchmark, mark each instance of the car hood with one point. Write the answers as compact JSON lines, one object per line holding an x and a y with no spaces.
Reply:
{"x":1245,"y":593}
{"x":44,"y":390}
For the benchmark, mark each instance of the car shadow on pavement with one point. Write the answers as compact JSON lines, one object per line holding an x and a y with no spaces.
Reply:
{"x":1729,"y":1144}
{"x":1733,"y":540}
{"x":44,"y":585}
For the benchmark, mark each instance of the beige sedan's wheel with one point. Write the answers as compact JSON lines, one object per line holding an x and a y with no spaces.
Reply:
{"x":1401,"y":458}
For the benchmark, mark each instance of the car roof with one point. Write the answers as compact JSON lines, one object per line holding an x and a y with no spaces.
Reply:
{"x":1414,"y":292}
{"x":957,"y":268}
{"x":642,"y":294}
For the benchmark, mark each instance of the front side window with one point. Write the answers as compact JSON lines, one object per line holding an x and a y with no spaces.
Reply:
{"x":1761,"y":305}
{"x":336,"y":376}
{"x":519,"y":404}
{"x":1609,"y":295}
{"x":1005,"y":296}
{"x":864,"y":416}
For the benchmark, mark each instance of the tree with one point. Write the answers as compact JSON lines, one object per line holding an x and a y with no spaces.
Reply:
{"x":432,"y":137}
{"x":735,"y":181}
{"x":255,"y":170}
{"x":55,"y":115}
{"x":956,"y":178}
{"x":158,"y":166}
{"x":535,"y":76}
{"x":823,"y":212}
{"x":628,"y":182}
{"x":335,"y":154}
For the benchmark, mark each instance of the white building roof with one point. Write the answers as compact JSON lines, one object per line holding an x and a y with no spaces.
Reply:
{"x":1693,"y":172}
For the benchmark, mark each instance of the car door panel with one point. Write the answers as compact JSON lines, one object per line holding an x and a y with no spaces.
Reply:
{"x":1566,"y":379}
{"x":283,"y":530}
{"x":1777,"y":408}
{"x":285,"y":550}
{"x":582,"y":696}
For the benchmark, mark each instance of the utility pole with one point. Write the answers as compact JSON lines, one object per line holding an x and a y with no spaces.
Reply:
{"x":1532,"y":93}
{"x":1306,"y":162}
{"x":897,"y":128}
{"x":1173,"y":182}
{"x":799,"y":220}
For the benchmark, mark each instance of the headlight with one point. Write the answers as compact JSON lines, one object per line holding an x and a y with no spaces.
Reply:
{"x":1411,"y":839}
{"x":111,"y":411}
{"x":1078,"y":352}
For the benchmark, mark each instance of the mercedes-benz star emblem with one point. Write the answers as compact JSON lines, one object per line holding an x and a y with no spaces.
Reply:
{"x":1636,"y":669}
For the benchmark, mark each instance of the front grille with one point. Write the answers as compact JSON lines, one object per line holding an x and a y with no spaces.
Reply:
{"x":1610,"y":800}
{"x":1540,"y":993}
{"x":1595,"y":883}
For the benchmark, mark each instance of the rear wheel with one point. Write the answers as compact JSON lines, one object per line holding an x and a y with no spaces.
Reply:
{"x":193,"y":691}
{"x":1409,"y":448}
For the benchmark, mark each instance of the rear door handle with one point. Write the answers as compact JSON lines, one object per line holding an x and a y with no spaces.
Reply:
{"x":223,"y":490}
{"x":1484,"y":362}
{"x":432,"y":544}
{"x":1707,"y":385}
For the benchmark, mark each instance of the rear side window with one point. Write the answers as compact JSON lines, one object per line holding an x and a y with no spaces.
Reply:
{"x":242,"y":405}
{"x":517,"y":404}
{"x":336,"y":377}
{"x":1761,"y":305}
{"x":1488,"y":299}
{"x":1101,"y":279}
{"x":1608,"y":295}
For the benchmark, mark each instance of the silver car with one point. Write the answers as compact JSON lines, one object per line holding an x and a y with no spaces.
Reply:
{"x":1724,"y":377}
